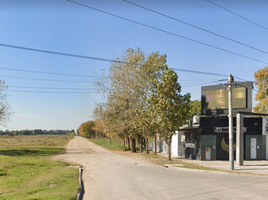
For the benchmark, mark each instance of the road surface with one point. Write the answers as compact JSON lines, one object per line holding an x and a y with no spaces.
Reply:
{"x":108,"y":176}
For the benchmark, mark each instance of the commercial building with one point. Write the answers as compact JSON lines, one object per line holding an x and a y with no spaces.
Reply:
{"x":207,"y":137}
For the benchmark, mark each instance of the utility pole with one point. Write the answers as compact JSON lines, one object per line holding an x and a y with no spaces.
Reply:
{"x":231,"y":134}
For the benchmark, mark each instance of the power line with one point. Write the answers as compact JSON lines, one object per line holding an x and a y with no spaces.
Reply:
{"x":103,"y":59}
{"x":193,"y":85}
{"x":206,"y":73}
{"x":52,"y":92}
{"x":219,"y":86}
{"x":175,"y":69}
{"x":198,"y":72}
{"x":167,"y":32}
{"x":57,"y":53}
{"x":197,"y":27}
{"x":196,"y":80}
{"x":39,"y":79}
{"x":50,"y":73}
{"x":248,"y":20}
{"x":48,"y":88}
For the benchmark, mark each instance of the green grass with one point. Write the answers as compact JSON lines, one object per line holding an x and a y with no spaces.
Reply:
{"x":29,"y":172}
{"x":116,"y":145}
{"x":30,"y":151}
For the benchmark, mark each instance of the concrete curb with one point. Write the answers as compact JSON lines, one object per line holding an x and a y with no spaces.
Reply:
{"x":195,"y":170}
{"x":82,"y":190}
{"x":238,"y":173}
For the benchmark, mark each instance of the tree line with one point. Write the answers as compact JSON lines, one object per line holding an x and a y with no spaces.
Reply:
{"x":141,"y":98}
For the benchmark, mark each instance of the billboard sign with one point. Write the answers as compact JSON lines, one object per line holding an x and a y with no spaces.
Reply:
{"x":218,"y":99}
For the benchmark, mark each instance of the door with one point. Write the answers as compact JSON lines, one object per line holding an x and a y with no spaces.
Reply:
{"x":208,"y":153}
{"x":253,"y":150}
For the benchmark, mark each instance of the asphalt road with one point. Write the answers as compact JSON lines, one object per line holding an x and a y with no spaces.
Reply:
{"x":109,"y":176}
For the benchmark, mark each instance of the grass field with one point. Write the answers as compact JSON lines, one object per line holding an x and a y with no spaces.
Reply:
{"x":34,"y":140}
{"x":27,"y":171}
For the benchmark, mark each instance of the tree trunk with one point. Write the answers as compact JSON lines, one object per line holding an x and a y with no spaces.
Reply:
{"x":169,"y":148}
{"x":169,"y":151}
{"x":110,"y":140}
{"x":128,"y":142}
{"x":141,"y":145}
{"x":124,"y":144}
{"x":147,"y":146}
{"x":133,"y":141}
{"x":155,"y":145}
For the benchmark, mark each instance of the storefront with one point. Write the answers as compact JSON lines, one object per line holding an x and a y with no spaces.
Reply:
{"x":215,"y":137}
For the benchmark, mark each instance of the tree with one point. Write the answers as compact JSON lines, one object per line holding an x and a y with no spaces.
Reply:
{"x":5,"y":108}
{"x":144,"y":119}
{"x":99,"y":124}
{"x":261,"y":81}
{"x":195,"y":108}
{"x":86,"y":129}
{"x":169,"y":105}
{"x":127,"y":88}
{"x":145,"y":125}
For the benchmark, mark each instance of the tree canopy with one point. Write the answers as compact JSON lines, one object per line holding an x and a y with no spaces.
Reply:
{"x":195,"y":108}
{"x":170,"y":107}
{"x":86,"y":129}
{"x":132,"y":87}
{"x":261,"y":81}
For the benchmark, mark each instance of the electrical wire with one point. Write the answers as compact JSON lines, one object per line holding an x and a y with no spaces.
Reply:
{"x":48,"y":88}
{"x":248,"y":20}
{"x":39,"y":79}
{"x":206,"y":73}
{"x":167,"y":32}
{"x":52,"y":92}
{"x":41,"y":72}
{"x":57,"y":53}
{"x":50,"y":73}
{"x":193,"y":85}
{"x":209,"y":92}
{"x":197,"y":27}
{"x":194,"y":80}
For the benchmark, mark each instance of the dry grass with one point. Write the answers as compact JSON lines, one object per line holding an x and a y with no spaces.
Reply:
{"x":34,"y":140}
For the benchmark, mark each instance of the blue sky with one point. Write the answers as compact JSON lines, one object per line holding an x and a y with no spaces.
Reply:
{"x":62,"y":26}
